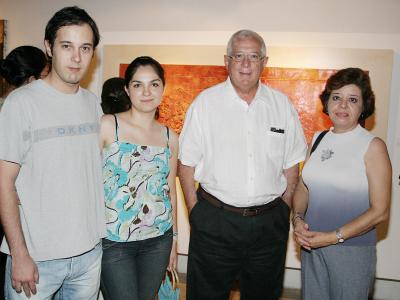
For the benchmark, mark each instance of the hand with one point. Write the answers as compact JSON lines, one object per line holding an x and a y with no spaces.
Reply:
{"x":321,"y":239}
{"x":314,"y":239}
{"x":172,"y":256}
{"x":193,"y":204}
{"x":300,"y":233}
{"x":24,"y":274}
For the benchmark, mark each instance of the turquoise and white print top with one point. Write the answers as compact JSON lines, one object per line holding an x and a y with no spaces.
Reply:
{"x":136,"y":190}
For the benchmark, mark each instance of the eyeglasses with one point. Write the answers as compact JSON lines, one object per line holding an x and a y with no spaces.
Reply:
{"x":239,"y":57}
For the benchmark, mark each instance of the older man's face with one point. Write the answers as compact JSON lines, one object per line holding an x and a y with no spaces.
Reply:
{"x":245,"y":74}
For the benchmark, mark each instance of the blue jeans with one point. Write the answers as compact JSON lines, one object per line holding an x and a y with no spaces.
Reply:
{"x":134,"y":270}
{"x":76,"y":277}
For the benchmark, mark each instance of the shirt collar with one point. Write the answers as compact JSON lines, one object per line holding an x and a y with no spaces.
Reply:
{"x":231,"y":92}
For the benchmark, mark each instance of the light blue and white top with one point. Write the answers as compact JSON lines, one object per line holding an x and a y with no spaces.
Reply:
{"x":337,"y":183}
{"x":136,"y":190}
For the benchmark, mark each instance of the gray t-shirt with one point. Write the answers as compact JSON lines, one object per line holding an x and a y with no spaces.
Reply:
{"x":54,"y":137}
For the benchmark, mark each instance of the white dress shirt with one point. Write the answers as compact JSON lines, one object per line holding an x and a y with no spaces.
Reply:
{"x":239,"y":151}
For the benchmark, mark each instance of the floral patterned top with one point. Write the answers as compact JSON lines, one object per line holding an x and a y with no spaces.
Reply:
{"x":136,"y":190}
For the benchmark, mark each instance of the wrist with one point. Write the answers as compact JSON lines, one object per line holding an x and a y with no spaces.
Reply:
{"x":338,"y":236}
{"x":18,"y":252}
{"x":175,"y":236}
{"x":296,"y":217}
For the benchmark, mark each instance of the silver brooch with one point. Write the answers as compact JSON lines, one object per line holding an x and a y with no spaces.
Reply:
{"x":326,"y":154}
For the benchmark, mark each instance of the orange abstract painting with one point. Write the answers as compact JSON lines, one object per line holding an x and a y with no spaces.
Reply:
{"x":302,"y":86}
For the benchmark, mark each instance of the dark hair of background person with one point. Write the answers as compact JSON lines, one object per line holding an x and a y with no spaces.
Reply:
{"x":143,"y":61}
{"x":22,"y":63}
{"x":348,"y":76}
{"x":72,"y":15}
{"x":113,"y":96}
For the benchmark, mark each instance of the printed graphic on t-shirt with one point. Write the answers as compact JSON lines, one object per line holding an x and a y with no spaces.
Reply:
{"x":41,"y":134}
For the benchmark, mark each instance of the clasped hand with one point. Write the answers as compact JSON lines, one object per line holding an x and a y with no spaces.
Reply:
{"x":312,"y":239}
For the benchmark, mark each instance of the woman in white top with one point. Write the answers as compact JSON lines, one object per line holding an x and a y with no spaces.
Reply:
{"x":344,"y":193}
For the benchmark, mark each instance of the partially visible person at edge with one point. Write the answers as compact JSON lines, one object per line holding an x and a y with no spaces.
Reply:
{"x":50,"y":172}
{"x":21,"y":66}
{"x":139,"y":173}
{"x":344,"y":193}
{"x":113,"y":96}
{"x":242,"y":141}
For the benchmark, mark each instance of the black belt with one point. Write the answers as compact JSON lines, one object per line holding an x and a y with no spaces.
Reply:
{"x":244,"y":211}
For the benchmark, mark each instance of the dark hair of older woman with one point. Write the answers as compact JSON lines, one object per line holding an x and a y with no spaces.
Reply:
{"x":344,"y":192}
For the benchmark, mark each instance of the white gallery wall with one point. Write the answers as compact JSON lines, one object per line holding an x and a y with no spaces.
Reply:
{"x":367,"y":17}
{"x":288,"y":26}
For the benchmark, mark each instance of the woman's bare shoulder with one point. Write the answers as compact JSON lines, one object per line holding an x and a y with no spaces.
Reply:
{"x":377,"y":146}
{"x":377,"y":153}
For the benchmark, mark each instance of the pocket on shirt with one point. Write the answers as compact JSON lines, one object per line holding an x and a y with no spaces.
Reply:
{"x":275,"y":144}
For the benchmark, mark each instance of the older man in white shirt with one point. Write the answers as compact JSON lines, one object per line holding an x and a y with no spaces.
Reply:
{"x":242,"y":141}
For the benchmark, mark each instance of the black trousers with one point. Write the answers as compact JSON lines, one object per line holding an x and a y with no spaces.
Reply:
{"x":225,"y":246}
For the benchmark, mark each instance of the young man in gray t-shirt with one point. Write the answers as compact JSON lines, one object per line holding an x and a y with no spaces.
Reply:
{"x":51,"y":201}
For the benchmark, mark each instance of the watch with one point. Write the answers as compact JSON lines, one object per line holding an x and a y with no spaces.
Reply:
{"x":339,"y":236}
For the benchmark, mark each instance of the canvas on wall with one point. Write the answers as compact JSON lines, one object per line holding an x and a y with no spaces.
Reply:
{"x":185,"y":82}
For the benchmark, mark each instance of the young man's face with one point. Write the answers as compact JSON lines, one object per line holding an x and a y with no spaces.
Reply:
{"x":71,"y":55}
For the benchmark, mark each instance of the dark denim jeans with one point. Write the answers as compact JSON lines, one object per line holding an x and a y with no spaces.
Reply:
{"x":134,"y":270}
